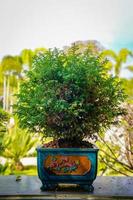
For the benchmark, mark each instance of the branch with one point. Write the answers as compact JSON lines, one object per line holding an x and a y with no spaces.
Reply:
{"x":113,"y":167}
{"x":125,"y":166}
{"x":107,"y":146}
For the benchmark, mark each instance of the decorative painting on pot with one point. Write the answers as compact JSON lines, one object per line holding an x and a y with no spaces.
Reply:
{"x":67,"y":165}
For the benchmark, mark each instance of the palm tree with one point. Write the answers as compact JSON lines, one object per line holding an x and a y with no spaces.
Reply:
{"x":116,"y":60}
{"x":26,"y":57}
{"x":130,"y":68}
{"x":11,"y":67}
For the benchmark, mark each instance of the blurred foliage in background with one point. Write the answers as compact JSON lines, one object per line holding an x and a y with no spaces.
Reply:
{"x":116,"y":145}
{"x":4,"y":118}
{"x":17,"y":144}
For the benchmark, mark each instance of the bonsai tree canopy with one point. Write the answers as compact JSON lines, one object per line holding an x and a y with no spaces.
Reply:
{"x":69,"y":96}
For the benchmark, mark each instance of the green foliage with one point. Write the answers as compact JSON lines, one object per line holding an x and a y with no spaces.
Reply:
{"x":27,"y":170}
{"x":4,"y":118}
{"x":119,"y":59}
{"x":69,"y":96}
{"x":11,"y":63}
{"x":128,"y":86}
{"x":26,"y":57}
{"x":28,"y":54}
{"x":17,"y":143}
{"x":79,"y":47}
{"x":130,"y":68}
{"x":3,"y":168}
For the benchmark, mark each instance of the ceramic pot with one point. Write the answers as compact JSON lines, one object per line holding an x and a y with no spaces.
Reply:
{"x":67,"y":165}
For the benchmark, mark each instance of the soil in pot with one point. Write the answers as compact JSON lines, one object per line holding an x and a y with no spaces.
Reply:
{"x":64,"y":143}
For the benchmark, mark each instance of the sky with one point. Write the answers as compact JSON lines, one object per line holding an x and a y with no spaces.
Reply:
{"x":57,"y":23}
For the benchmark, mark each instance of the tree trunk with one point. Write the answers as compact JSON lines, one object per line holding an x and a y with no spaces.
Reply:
{"x":4,"y":93}
{"x":7,"y":93}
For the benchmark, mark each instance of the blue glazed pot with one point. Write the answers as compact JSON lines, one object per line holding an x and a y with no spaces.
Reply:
{"x":67,"y":165}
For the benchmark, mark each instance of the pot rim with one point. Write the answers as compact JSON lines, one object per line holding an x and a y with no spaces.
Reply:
{"x":40,"y":148}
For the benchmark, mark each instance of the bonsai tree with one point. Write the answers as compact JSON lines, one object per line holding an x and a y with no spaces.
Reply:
{"x":69,"y":96}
